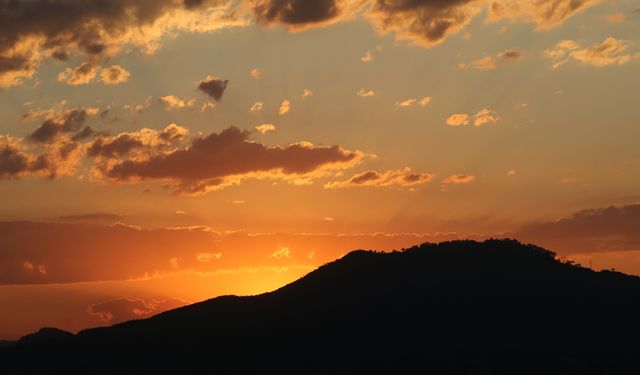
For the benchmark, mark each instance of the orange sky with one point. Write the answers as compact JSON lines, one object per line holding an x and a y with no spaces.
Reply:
{"x":156,"y":153}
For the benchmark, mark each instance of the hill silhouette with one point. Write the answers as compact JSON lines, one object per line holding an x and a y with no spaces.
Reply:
{"x":493,"y":307}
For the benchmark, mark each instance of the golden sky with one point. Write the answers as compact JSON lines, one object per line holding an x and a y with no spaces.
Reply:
{"x":155,"y":153}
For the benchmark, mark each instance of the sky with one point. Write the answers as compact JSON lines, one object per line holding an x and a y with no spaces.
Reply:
{"x":158,"y":153}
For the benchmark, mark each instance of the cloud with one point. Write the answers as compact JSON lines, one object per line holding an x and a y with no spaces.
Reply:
{"x":114,"y":75}
{"x":547,"y":14}
{"x":265,"y":128}
{"x":139,"y":107}
{"x":610,"y":52}
{"x":95,"y":30}
{"x":220,"y":160}
{"x":207,"y":105}
{"x":368,"y":57}
{"x":172,"y":102}
{"x":400,"y":177}
{"x":458,"y":119}
{"x":208,"y":257}
{"x":366,"y":93}
{"x":307,"y":93}
{"x":256,"y":73}
{"x":489,"y":62}
{"x":137,"y":144}
{"x":485,"y":116}
{"x":59,"y":123}
{"x":281,"y":253}
{"x":613,"y":228}
{"x":14,"y":161}
{"x":457,"y":179}
{"x":257,"y":106}
{"x":80,"y":75}
{"x":299,"y":15}
{"x":120,"y":310}
{"x":57,"y":159}
{"x":422,"y":22}
{"x":284,"y":108}
{"x":213,"y":86}
{"x":511,"y":54}
{"x":423,"y":102}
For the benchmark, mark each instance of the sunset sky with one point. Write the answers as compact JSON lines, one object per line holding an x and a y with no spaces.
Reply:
{"x":159,"y":152}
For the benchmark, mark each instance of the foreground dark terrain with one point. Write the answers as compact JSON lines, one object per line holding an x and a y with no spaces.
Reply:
{"x":456,"y":307}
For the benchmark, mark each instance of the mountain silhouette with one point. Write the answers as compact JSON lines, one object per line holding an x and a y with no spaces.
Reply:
{"x":493,"y":307}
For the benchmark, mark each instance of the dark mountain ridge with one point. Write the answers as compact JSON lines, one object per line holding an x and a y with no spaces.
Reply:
{"x":456,"y":307}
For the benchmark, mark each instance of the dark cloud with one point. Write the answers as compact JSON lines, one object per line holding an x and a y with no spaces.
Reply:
{"x":97,"y":29}
{"x":124,"y":143}
{"x":120,"y":310}
{"x":364,"y":177}
{"x":295,"y":12}
{"x":425,"y":22}
{"x":511,"y":54}
{"x":213,"y":86}
{"x":61,"y":123}
{"x":222,"y":159}
{"x":13,"y":162}
{"x":613,"y":228}
{"x":115,"y":147}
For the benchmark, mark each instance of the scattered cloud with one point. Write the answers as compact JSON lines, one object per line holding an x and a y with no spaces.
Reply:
{"x":485,"y":116}
{"x":213,"y":86}
{"x":139,"y":107}
{"x":610,"y":52}
{"x":458,"y":119}
{"x":400,"y":178}
{"x":265,"y":128}
{"x":307,"y":93}
{"x":80,"y":75}
{"x":368,"y":57}
{"x":114,"y":75}
{"x":422,"y":102}
{"x":208,"y":257}
{"x":281,"y":253}
{"x":256,"y":73}
{"x":546,"y":14}
{"x":284,"y":108}
{"x":257,"y":106}
{"x":366,"y":93}
{"x":489,"y":62}
{"x":207,"y":105}
{"x":172,"y":102}
{"x":458,"y":179}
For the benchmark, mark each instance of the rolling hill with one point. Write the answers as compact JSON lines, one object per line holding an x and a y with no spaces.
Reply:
{"x":493,"y":307}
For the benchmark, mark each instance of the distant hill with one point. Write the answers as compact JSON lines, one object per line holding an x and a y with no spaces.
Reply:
{"x":495,"y":307}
